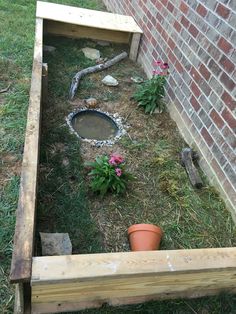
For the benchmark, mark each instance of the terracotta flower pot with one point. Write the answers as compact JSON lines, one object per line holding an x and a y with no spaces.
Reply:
{"x":144,"y":237}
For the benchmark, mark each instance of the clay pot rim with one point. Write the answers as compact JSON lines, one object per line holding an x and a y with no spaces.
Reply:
{"x":145,"y":227}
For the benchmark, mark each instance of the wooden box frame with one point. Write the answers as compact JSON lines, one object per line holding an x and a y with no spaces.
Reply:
{"x":70,"y":283}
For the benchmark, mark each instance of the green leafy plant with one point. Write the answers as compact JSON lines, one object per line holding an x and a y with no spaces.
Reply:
{"x":109,"y":174}
{"x":150,"y":94}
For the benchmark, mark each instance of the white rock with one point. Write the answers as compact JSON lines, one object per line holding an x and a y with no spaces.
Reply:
{"x":48,"y":48}
{"x":91,"y":53}
{"x":110,"y":81}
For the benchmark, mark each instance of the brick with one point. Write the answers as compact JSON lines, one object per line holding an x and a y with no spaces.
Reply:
{"x":196,"y":76}
{"x":179,"y":106}
{"x":205,"y":73}
{"x":230,"y":190}
{"x":227,"y":82}
{"x":217,"y":119}
{"x":183,"y":7}
{"x":193,"y":30}
{"x":229,"y":153}
{"x":171,"y":43}
{"x":226,"y":64}
{"x":196,"y":121}
{"x":216,"y":167}
{"x":214,"y":68}
{"x":184,"y":22}
{"x":228,"y":100}
{"x":207,"y":137}
{"x":201,"y":10}
{"x":229,"y":118}
{"x":231,"y":174}
{"x":195,"y":103}
{"x":229,"y":137}
{"x":179,"y":67}
{"x":213,"y":51}
{"x":195,"y":89}
{"x":205,"y":103}
{"x":204,"y":87}
{"x":215,"y":133}
{"x":219,"y":156}
{"x":170,"y":7}
{"x":205,"y":118}
{"x":177,"y":26}
{"x":216,"y":86}
{"x":203,"y":55}
{"x":224,"y":29}
{"x":222,"y":11}
{"x":224,"y":45}
{"x":212,"y":19}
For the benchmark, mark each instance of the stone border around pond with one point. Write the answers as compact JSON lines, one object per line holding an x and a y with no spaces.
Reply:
{"x":119,"y":121}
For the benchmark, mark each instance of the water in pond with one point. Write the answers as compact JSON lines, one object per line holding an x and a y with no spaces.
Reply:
{"x":94,"y":125}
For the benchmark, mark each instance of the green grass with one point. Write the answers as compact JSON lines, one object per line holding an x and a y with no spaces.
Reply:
{"x":63,"y":203}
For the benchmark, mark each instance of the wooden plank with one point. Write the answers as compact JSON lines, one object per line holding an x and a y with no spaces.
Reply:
{"x":134,"y":46}
{"x":25,"y":213}
{"x":76,"y":31}
{"x":86,"y":266}
{"x":19,"y":299}
{"x":85,"y":17}
{"x":119,"y":277}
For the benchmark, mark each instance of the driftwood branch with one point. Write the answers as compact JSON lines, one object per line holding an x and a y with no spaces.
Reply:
{"x":5,"y":89}
{"x":76,"y":79}
{"x":187,"y":155}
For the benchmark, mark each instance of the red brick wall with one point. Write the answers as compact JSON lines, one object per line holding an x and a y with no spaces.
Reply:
{"x":197,"y":38}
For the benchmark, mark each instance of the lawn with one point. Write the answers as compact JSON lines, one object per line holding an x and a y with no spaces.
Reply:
{"x":16,"y":50}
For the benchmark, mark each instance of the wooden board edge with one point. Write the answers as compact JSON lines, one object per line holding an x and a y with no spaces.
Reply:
{"x":25,"y":214}
{"x":78,"y":306}
{"x":56,"y":269}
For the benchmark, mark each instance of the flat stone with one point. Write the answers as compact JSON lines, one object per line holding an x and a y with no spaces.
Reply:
{"x":103,"y":43}
{"x":55,"y":244}
{"x":91,"y":103}
{"x":48,"y":48}
{"x":91,"y":53}
{"x":110,"y":81}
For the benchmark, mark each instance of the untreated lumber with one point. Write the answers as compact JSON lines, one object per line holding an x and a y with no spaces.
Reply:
{"x":186,"y":160}
{"x":99,"y":67}
{"x":25,"y":214}
{"x":72,"y":282}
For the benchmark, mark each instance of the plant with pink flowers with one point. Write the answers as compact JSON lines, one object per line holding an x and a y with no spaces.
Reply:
{"x":108,"y":174}
{"x":150,"y":94}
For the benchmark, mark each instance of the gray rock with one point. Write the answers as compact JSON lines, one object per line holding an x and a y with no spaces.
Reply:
{"x":48,"y":48}
{"x":110,"y":81}
{"x":55,"y":244}
{"x":91,"y":53}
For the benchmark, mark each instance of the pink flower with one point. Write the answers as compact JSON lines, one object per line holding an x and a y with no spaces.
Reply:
{"x":118,"y":172}
{"x":116,"y":159}
{"x":157,"y":72}
{"x":157,"y":62}
{"x":164,"y":66}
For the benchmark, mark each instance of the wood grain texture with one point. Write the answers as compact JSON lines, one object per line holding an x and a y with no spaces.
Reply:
{"x":133,"y":53}
{"x":77,"y":31}
{"x":126,"y":277}
{"x":19,"y":299}
{"x":25,"y":213}
{"x":85,"y":17}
